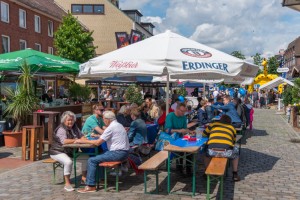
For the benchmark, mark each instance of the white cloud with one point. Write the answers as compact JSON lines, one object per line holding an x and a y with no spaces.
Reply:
{"x":133,"y":4}
{"x":257,"y":26}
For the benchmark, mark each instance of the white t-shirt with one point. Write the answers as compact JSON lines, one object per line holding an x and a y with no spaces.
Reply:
{"x":174,"y":106}
{"x":215,"y":93}
{"x":116,"y":137}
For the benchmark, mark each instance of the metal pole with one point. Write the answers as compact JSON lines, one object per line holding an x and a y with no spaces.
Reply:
{"x":167,"y":96}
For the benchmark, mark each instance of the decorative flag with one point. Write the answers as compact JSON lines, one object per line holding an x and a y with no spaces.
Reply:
{"x":135,"y":36}
{"x":122,"y":39}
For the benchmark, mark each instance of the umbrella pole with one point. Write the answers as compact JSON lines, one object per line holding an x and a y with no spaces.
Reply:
{"x":167,"y":96}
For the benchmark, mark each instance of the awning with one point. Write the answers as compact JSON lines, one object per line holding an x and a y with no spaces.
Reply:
{"x":274,"y":83}
{"x":293,"y":4}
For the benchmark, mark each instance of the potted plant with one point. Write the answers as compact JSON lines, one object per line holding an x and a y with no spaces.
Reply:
{"x":133,"y":94}
{"x":22,"y":102}
{"x":79,"y":93}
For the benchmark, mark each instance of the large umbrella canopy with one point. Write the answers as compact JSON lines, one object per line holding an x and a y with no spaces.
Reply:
{"x":168,"y":53}
{"x":38,"y":61}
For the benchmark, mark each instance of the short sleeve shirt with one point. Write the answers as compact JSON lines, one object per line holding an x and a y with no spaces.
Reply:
{"x":116,"y":137}
{"x":90,"y":124}
{"x":175,"y":122}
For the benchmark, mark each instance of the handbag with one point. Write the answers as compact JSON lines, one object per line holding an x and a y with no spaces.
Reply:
{"x":164,"y":139}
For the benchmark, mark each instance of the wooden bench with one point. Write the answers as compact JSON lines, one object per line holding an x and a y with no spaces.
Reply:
{"x":110,"y":165}
{"x":152,"y":164}
{"x":240,"y":131}
{"x":216,"y":170}
{"x":55,"y":165}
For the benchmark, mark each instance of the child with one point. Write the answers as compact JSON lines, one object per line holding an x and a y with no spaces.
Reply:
{"x":288,"y":112}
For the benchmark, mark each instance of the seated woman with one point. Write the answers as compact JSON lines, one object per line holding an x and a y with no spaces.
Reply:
{"x":137,"y":133}
{"x":123,"y":116}
{"x":202,"y":115}
{"x":162,"y":119}
{"x":67,"y":133}
{"x":144,"y":112}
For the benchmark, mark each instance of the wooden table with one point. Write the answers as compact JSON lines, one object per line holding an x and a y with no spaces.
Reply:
{"x":188,"y":148}
{"x":76,"y":153}
{"x":38,"y":119}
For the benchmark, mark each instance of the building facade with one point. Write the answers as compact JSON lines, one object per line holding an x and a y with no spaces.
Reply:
{"x":104,"y":18}
{"x":28,"y":24}
{"x":292,"y":59}
{"x":293,"y":4}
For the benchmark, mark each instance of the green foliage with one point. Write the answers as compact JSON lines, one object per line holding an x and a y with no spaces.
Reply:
{"x":273,"y":64}
{"x":287,"y":95}
{"x":257,"y":60}
{"x":296,"y":91}
{"x":79,"y":92}
{"x":133,"y":94}
{"x":23,"y":98}
{"x":182,"y":91}
{"x":238,"y":54}
{"x":72,"y":41}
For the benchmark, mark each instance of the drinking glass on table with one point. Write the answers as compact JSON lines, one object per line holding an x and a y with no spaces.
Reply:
{"x":199,"y":133}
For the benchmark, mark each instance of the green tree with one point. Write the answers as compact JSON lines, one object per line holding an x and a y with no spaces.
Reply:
{"x":296,"y":91}
{"x":72,"y":41}
{"x":133,"y":94}
{"x":257,"y":60}
{"x":273,"y":65}
{"x":287,"y":95}
{"x":238,"y":54}
{"x":182,"y":91}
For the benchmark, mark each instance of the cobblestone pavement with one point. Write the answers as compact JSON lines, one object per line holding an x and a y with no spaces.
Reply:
{"x":269,"y":168}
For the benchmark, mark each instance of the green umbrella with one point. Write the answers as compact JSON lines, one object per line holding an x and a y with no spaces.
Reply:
{"x":38,"y":61}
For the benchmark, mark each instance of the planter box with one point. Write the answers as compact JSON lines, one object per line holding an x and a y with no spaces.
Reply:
{"x":12,"y":139}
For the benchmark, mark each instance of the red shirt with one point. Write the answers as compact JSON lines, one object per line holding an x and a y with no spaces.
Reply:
{"x":161,"y":120}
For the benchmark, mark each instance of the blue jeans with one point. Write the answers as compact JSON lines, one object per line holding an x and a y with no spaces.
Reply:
{"x":107,"y":156}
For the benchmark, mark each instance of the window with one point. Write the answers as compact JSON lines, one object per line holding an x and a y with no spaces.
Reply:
{"x":22,"y":18}
{"x":87,"y":8}
{"x":23,"y":44}
{"x":4,"y":12}
{"x":50,"y":50}
{"x":99,"y":9}
{"x":50,"y":28}
{"x":5,"y":44}
{"x":37,"y":24}
{"x":76,"y":8}
{"x":37,"y":47}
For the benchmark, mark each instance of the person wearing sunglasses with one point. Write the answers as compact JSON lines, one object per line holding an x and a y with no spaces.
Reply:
{"x":94,"y":125}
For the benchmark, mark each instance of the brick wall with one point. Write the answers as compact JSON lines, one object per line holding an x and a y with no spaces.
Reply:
{"x":17,"y":33}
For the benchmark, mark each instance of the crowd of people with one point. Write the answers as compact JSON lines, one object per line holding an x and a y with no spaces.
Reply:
{"x":127,"y":128}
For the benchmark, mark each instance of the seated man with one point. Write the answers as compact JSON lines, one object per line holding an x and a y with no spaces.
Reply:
{"x":118,"y":146}
{"x":221,"y":142}
{"x":176,"y":122}
{"x":94,"y":125}
{"x":123,"y":116}
{"x":202,"y":114}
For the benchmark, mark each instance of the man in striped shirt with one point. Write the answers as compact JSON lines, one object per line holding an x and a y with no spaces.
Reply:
{"x":222,"y":137}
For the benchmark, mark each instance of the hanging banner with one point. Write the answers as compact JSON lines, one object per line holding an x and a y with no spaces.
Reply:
{"x":135,"y":36}
{"x":122,"y":39}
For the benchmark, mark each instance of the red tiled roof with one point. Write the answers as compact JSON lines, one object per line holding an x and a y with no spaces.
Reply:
{"x":47,"y":6}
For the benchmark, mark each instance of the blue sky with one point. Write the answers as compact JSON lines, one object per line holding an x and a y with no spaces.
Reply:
{"x":255,"y":26}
